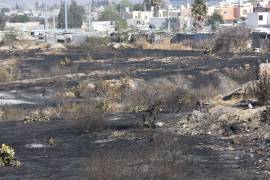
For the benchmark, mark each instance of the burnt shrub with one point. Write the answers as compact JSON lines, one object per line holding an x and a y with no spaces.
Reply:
{"x":87,"y":117}
{"x":9,"y":71}
{"x":159,"y":94}
{"x":232,"y":40}
{"x":95,"y":42}
{"x":261,"y":87}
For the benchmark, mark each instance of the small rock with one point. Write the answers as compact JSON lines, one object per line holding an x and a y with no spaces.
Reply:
{"x":116,"y":46}
{"x":236,"y":140}
{"x":247,"y":66}
{"x":51,"y":141}
{"x":34,"y":146}
{"x":260,"y":152}
{"x":159,"y":124}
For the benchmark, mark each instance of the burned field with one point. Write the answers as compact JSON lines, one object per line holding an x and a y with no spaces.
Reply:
{"x":77,"y":114}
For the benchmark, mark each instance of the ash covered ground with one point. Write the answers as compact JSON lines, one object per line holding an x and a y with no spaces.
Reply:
{"x":47,"y":96}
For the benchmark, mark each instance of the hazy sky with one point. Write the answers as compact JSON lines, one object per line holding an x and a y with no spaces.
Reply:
{"x":32,"y":2}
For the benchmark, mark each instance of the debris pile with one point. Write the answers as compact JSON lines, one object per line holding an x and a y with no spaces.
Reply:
{"x":222,"y":120}
{"x":115,"y":45}
{"x":37,"y":116}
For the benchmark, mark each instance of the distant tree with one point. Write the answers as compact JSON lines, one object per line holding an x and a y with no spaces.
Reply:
{"x":17,"y":7}
{"x":61,"y":17}
{"x":214,"y":20}
{"x":123,"y":5}
{"x":138,"y":7}
{"x":156,"y":4}
{"x":4,"y":10}
{"x":75,"y":14}
{"x":20,"y":19}
{"x":36,"y":6}
{"x":2,"y":22}
{"x":199,"y":11}
{"x":147,"y":5}
{"x":110,"y":14}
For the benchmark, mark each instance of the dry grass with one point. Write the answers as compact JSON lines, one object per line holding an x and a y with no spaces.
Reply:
{"x":9,"y":70}
{"x":88,"y":117}
{"x":58,"y":69}
{"x":158,"y":161}
{"x":165,"y":44}
{"x":82,"y":90}
{"x":261,"y":87}
{"x":111,"y":93}
{"x":160,"y":94}
{"x":10,"y":113}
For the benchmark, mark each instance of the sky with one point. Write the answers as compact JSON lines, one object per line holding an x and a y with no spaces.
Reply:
{"x":32,"y":2}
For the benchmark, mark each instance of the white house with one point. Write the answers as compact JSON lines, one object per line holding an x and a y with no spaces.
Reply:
{"x":258,"y":19}
{"x":106,"y":26}
{"x":142,"y":17}
{"x":246,"y":9}
{"x":27,"y":26}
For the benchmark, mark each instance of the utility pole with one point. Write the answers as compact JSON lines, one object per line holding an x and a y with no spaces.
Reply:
{"x":66,"y":17}
{"x":89,"y":16}
{"x":46,"y":15}
{"x":169,"y":20}
{"x":187,"y":15}
{"x":53,"y":22}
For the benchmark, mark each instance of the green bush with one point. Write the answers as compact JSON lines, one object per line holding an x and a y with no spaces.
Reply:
{"x":7,"y":156}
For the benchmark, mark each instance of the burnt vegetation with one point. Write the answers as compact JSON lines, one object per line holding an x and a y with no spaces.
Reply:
{"x":114,"y":114}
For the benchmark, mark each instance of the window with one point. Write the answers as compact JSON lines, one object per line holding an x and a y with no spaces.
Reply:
{"x":244,"y":12}
{"x":225,"y":13}
{"x":260,"y":17}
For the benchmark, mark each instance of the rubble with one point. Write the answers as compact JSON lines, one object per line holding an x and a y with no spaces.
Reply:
{"x":115,"y":45}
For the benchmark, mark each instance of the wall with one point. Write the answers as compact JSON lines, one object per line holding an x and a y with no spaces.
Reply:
{"x":252,"y":20}
{"x":264,"y":21}
{"x":179,"y":37}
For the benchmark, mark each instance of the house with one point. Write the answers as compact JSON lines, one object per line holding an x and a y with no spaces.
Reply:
{"x":100,"y":26}
{"x":229,"y":12}
{"x":27,"y":26}
{"x":142,"y":17}
{"x":185,"y":11}
{"x":258,"y":19}
{"x":170,"y":11}
{"x":246,"y":9}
